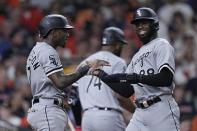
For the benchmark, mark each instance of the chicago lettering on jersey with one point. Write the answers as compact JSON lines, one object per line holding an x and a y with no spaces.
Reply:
{"x":141,"y":58}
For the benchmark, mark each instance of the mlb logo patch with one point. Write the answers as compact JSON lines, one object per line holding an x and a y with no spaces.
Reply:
{"x":104,"y":40}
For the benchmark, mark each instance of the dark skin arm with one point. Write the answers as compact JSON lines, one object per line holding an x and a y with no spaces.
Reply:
{"x":126,"y":103}
{"x":62,"y":80}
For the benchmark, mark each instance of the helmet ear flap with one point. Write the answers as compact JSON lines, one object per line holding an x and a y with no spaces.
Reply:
{"x":156,"y":26}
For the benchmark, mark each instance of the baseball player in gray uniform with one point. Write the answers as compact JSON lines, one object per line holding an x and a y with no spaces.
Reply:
{"x":151,"y":73}
{"x":46,"y":76}
{"x":101,"y":108}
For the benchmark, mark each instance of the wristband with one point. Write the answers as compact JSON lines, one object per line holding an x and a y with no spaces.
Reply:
{"x":101,"y":73}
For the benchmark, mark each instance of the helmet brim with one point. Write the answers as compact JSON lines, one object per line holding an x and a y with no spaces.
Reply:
{"x":142,"y":18}
{"x":68,"y":27}
{"x":124,"y":42}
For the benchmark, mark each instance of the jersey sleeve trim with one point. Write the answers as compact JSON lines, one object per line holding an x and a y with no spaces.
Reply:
{"x":168,"y":66}
{"x":54,"y":70}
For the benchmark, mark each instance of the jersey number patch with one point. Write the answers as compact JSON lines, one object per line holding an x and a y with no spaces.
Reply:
{"x":150,"y":71}
{"x":95,"y":81}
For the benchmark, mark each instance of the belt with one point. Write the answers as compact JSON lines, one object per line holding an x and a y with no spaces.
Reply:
{"x":55,"y":101}
{"x":102,"y":108}
{"x":147,"y":103}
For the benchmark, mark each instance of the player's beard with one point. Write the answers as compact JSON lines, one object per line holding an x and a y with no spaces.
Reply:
{"x":62,"y":43}
{"x":118,"y":52}
{"x":147,"y":37}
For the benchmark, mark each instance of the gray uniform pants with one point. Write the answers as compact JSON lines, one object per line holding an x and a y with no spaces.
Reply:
{"x":161,"y":116}
{"x":45,"y":116}
{"x":101,"y":120}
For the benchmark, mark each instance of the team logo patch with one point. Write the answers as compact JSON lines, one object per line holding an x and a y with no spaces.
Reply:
{"x":139,"y":13}
{"x":52,"y":59}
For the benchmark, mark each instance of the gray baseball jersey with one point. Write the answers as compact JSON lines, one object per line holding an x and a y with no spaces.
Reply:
{"x":164,"y":115}
{"x":43,"y":60}
{"x":150,"y":59}
{"x":95,"y":93}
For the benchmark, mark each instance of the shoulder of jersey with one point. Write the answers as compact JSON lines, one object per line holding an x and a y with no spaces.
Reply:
{"x":44,"y":48}
{"x":121,"y":60}
{"x":162,"y":42}
{"x":97,"y":55}
{"x":91,"y":57}
{"x":110,"y":57}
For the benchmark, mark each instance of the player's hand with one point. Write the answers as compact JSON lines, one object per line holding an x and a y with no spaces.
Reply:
{"x":94,"y":71}
{"x":88,"y":66}
{"x":97,"y":63}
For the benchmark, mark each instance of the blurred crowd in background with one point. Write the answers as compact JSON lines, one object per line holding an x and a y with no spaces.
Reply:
{"x":18,"y":34}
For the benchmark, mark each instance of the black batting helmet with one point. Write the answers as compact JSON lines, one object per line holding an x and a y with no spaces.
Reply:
{"x":53,"y":21}
{"x":112,"y":35}
{"x":145,"y":13}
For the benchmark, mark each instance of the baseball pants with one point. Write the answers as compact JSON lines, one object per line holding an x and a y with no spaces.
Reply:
{"x":161,"y":116}
{"x":101,"y":120}
{"x":48,"y":117}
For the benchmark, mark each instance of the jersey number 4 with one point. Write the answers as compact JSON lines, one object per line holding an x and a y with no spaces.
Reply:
{"x":95,"y":81}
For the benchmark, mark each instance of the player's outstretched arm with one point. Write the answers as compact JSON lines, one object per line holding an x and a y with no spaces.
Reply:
{"x":164,"y":78}
{"x":116,"y":82}
{"x":62,"y":80}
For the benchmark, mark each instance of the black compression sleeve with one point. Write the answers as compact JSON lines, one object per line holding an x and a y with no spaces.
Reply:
{"x":115,"y":78}
{"x":164,"y":78}
{"x":124,"y":89}
{"x":114,"y":82}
